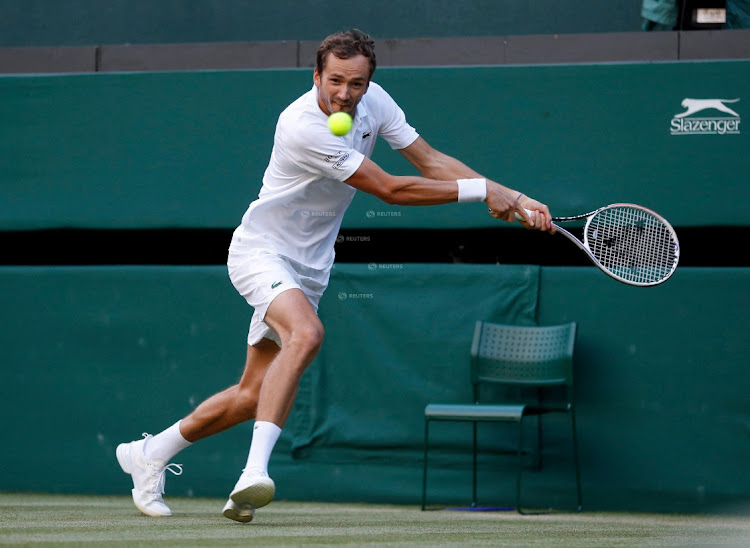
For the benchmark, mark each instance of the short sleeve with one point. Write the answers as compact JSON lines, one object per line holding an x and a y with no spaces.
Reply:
{"x":393,"y":125}
{"x":312,"y":147}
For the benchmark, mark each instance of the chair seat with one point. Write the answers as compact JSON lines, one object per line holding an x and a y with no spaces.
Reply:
{"x":474,"y":412}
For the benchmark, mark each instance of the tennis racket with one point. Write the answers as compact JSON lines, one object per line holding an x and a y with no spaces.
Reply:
{"x":630,"y":243}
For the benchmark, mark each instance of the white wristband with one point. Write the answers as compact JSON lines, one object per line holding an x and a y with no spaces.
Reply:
{"x":472,"y":190}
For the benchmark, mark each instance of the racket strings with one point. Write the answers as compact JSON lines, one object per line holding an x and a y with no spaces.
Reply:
{"x":633,"y":244}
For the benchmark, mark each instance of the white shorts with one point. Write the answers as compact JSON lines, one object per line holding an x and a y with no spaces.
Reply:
{"x":261,"y":275}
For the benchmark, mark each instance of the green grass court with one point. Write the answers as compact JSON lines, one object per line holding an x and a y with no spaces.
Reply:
{"x":60,"y":520}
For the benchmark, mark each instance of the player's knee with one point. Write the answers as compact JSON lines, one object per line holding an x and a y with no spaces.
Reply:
{"x":308,"y":338}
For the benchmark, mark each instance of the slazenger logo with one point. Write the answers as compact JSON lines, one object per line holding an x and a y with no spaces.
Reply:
{"x":338,"y":159}
{"x":685,"y":123}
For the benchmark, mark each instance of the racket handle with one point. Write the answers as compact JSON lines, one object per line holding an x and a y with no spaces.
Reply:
{"x":519,"y":218}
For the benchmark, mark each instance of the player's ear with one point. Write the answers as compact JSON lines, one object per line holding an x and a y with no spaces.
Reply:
{"x":316,"y":77}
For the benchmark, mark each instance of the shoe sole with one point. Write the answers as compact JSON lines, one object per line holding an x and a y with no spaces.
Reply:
{"x":241,"y":514}
{"x":146,"y":511}
{"x":256,"y":495}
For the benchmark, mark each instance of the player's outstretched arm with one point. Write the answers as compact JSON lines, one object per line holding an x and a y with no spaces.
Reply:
{"x":438,"y":185}
{"x":402,"y":190}
{"x":433,"y":164}
{"x":503,"y":202}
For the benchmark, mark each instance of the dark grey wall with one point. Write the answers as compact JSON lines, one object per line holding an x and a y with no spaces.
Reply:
{"x":487,"y":50}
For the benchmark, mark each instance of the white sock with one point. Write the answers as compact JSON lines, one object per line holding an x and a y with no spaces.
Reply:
{"x":265,"y":435}
{"x":166,"y":444}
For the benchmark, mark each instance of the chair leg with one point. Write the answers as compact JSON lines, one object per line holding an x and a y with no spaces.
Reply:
{"x":539,"y":442}
{"x":539,"y":439}
{"x":520,"y":467}
{"x":424,"y":473}
{"x":474,"y":470}
{"x":576,"y":461}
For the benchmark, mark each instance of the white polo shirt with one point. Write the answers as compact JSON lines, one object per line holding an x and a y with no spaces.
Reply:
{"x":303,"y":199}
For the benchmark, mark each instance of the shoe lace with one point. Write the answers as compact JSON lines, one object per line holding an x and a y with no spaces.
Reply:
{"x":157,"y":476}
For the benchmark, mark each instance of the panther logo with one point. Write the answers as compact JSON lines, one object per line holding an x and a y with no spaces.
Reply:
{"x":697,"y":105}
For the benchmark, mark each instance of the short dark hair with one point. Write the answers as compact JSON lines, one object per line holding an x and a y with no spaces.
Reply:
{"x":345,"y":45}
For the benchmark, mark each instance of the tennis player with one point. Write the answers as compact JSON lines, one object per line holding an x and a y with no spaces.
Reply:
{"x":281,"y":255}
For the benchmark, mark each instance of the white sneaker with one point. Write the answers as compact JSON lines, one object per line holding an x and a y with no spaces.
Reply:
{"x":254,"y":489}
{"x":242,"y":513}
{"x":148,"y":477}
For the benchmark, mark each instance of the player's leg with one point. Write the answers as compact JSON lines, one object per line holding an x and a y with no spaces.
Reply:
{"x":146,"y":460}
{"x":301,"y":332}
{"x":293,"y":318}
{"x":237,"y":403}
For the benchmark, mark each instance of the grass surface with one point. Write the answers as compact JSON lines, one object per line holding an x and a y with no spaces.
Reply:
{"x":58,"y":520}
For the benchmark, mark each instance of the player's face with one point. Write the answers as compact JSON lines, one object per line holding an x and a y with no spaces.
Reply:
{"x":342,"y":84}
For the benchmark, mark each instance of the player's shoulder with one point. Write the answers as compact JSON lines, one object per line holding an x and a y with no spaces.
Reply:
{"x":302,"y":106}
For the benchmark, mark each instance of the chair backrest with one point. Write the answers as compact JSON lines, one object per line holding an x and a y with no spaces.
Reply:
{"x":523,"y":356}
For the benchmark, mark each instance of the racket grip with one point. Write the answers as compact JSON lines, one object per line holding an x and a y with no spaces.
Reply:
{"x":519,"y":218}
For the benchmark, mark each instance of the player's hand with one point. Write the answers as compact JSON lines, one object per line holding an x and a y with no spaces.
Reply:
{"x":507,"y":205}
{"x":539,"y":217}
{"x":501,"y":202}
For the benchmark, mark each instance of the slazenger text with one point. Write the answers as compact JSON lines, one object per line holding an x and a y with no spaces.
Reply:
{"x":720,"y":126}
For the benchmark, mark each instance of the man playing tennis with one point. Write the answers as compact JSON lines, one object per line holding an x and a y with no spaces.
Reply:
{"x":281,"y":256}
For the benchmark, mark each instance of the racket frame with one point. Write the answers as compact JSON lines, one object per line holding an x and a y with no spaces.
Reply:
{"x":584,"y":246}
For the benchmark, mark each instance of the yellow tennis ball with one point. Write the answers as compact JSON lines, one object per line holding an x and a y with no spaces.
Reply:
{"x":340,"y":123}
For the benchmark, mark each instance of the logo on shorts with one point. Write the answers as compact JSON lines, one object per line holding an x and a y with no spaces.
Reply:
{"x":275,"y":285}
{"x":684,"y":123}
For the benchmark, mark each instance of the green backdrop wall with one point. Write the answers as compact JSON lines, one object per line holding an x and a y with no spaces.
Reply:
{"x":188,"y":149}
{"x":94,"y":356}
